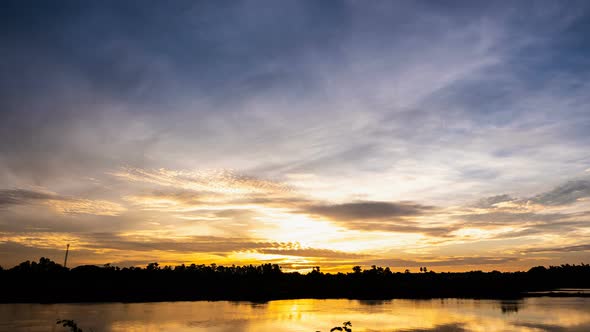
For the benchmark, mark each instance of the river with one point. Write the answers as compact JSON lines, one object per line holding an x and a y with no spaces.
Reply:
{"x":530,"y":314}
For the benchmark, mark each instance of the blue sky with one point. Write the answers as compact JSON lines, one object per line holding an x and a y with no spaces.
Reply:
{"x":451,"y":134}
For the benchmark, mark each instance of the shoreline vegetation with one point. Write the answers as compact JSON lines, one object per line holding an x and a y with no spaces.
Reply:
{"x":48,"y":282}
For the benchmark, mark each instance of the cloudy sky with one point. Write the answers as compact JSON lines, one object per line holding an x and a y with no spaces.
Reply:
{"x":447,"y":134}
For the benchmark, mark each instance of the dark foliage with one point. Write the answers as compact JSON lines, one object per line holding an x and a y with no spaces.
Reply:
{"x":47,"y":281}
{"x":346,"y":327}
{"x":70,"y":324}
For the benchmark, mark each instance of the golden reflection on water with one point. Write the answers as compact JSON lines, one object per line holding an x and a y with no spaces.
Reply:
{"x":533,"y":314}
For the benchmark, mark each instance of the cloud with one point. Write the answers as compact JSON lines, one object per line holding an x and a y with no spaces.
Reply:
{"x":377,"y":216}
{"x":311,"y":253}
{"x":181,"y":199}
{"x":446,"y":261}
{"x":557,"y":227}
{"x":60,"y":204}
{"x":548,"y":213}
{"x":216,"y":181}
{"x":369,"y":210}
{"x":397,"y":227}
{"x":86,"y":206}
{"x":567,"y":193}
{"x":173,"y":200}
{"x":490,"y":202}
{"x":508,"y":218}
{"x":186,"y":244}
{"x":23,"y":196}
{"x":517,"y":224}
{"x":575,"y":248}
{"x":203,"y":244}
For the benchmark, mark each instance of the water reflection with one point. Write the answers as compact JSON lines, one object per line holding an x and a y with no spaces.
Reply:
{"x":567,"y":291}
{"x":456,"y":327}
{"x":374,"y":302}
{"x":510,"y":306}
{"x":533,"y":314}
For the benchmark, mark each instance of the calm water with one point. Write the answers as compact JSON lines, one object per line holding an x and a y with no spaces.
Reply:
{"x":533,"y":314}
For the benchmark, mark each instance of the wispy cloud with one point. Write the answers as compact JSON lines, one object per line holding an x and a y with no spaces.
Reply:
{"x":86,"y":206}
{"x":381,"y":129}
{"x":60,"y":204}
{"x":216,"y":181}
{"x":576,"y":248}
{"x":567,"y":193}
{"x":23,"y":196}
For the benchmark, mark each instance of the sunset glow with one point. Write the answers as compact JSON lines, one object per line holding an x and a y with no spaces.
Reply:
{"x":399,"y":134}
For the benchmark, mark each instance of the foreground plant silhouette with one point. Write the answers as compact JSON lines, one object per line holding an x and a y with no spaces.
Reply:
{"x":69,"y":323}
{"x":346,"y":326}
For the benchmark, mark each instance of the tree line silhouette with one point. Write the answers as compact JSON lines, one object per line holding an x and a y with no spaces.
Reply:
{"x":47,"y":281}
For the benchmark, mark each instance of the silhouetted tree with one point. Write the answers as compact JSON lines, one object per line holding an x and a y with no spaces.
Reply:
{"x":153,"y":266}
{"x":538,"y":269}
{"x":47,"y":281}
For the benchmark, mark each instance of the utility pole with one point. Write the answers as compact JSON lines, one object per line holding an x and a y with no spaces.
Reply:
{"x":66,"y":259}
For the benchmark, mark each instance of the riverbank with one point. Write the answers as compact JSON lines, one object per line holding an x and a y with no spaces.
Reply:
{"x":51,"y":283}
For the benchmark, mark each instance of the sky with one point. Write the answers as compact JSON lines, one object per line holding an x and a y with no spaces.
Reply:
{"x":448,"y":134}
